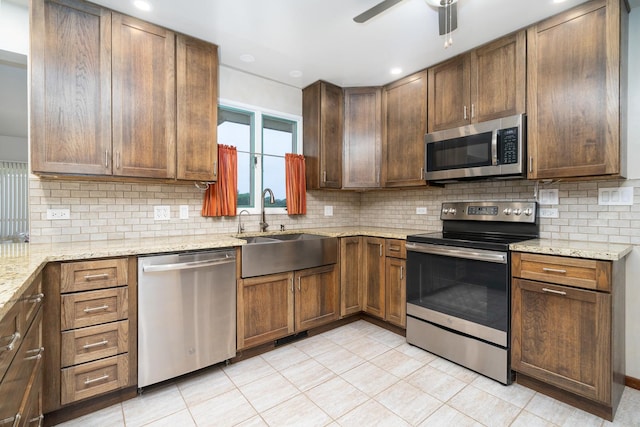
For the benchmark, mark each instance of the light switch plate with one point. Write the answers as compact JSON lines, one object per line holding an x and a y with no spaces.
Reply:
{"x":622,"y":196}
{"x":184,"y":211}
{"x":548,"y":197}
{"x":421,"y":211}
{"x":328,"y":211}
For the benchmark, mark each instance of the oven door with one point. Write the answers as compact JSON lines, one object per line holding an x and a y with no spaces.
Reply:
{"x":461,"y":289}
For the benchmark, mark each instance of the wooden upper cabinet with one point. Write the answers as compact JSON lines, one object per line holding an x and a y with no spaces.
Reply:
{"x":144,"y":103}
{"x":70,"y":88}
{"x":485,"y":84}
{"x":498,"y":78}
{"x":362,"y":137}
{"x":574,"y":92}
{"x":197,"y":109}
{"x":449,"y":93}
{"x":322,"y":112}
{"x":404,"y":104}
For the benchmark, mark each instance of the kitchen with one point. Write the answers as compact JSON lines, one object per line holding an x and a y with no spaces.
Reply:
{"x":577,"y":200}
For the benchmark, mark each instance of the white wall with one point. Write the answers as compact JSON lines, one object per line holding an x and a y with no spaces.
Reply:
{"x":14,"y":28}
{"x":13,"y":149}
{"x":249,"y":89}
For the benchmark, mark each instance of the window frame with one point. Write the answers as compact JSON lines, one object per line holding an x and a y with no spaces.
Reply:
{"x":256,"y":144}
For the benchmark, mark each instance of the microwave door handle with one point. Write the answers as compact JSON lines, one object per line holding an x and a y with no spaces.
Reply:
{"x":494,"y":147}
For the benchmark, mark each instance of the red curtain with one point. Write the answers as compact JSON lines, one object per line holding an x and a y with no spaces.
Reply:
{"x":221,"y":198}
{"x":296,"y":184}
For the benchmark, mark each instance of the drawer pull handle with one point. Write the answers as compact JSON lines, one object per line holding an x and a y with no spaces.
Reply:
{"x":37,"y":356}
{"x":34,"y":299}
{"x":95,"y":380}
{"x":90,"y":277}
{"x":553,"y":291}
{"x":14,"y":339}
{"x":394,"y":248}
{"x":554,"y":270}
{"x":95,"y":344}
{"x":92,"y":309}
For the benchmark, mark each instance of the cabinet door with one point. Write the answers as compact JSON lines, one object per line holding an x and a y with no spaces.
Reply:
{"x":144,"y":99}
{"x":317,"y":297}
{"x":404,"y":125}
{"x":322,"y":113}
{"x":449,"y":94}
{"x":350,"y":275}
{"x":498,"y":78}
{"x":396,"y":292}
{"x":70,"y":88}
{"x":573,"y":93}
{"x":265,"y":309}
{"x":373,"y":276}
{"x":362,"y":137}
{"x":562,"y":336}
{"x":197,"y":109}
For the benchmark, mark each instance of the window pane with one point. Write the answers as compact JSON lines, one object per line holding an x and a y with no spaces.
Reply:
{"x":273,"y":178}
{"x":236,"y":128}
{"x":278,"y":136}
{"x":245,"y":180}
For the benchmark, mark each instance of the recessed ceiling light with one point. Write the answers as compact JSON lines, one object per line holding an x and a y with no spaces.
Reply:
{"x":396,"y":70}
{"x":142,"y":5}
{"x":247,"y":58}
{"x":559,"y":1}
{"x":295,"y":73}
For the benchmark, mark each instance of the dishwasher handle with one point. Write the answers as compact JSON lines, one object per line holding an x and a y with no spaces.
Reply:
{"x":186,"y":265}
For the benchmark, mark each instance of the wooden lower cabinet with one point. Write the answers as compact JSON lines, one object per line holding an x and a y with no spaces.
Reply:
{"x":373,"y":276}
{"x":350,"y":275}
{"x":396,"y":291}
{"x":277,"y":305}
{"x":90,"y":333}
{"x":567,"y":337}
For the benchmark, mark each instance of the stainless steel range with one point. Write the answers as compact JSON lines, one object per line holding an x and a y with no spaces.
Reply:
{"x":459,"y":283}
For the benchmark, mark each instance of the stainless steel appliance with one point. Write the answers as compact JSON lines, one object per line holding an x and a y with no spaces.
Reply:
{"x":494,"y":149}
{"x":459,"y":283}
{"x":186,"y":313}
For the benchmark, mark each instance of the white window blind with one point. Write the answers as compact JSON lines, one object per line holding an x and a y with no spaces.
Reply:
{"x":14,"y":212}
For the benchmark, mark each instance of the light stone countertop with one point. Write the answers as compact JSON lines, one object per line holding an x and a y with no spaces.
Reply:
{"x":572,"y":248}
{"x":21,"y":262}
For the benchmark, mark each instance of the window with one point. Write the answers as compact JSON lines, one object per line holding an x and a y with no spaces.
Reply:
{"x":262,"y":139}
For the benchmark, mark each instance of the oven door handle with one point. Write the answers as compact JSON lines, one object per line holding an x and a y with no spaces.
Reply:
{"x":474,"y":254}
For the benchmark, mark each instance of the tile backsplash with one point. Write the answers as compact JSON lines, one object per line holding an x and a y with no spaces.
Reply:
{"x":116,"y":210}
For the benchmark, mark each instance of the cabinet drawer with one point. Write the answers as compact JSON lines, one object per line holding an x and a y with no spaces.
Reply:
{"x":95,"y":342}
{"x":11,"y":336}
{"x":93,"y":308}
{"x":32,"y":300}
{"x":21,"y":370}
{"x":396,"y":248}
{"x":94,"y":378}
{"x":89,"y":275}
{"x":581,"y":273}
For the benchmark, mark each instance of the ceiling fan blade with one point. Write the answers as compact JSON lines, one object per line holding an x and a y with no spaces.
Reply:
{"x":448,"y":24}
{"x":375,"y":10}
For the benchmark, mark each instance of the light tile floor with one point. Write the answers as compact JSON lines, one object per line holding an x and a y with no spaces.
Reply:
{"x":355,"y":375}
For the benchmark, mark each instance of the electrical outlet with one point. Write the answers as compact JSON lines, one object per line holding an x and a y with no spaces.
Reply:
{"x":328,"y":211}
{"x":184,"y":211}
{"x":548,"y":197}
{"x":549,"y":213}
{"x":162,"y":213}
{"x":615,"y":196}
{"x":421,"y":211}
{"x":58,"y":214}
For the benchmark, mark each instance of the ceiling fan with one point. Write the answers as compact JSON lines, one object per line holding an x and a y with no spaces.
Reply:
{"x":447,"y":13}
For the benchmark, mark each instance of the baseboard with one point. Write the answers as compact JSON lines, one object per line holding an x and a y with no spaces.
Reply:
{"x":632,"y":382}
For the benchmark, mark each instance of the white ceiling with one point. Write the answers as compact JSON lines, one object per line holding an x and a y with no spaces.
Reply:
{"x":320,"y":38}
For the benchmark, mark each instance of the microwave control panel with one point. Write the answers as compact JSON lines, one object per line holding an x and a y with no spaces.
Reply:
{"x":508,"y":146}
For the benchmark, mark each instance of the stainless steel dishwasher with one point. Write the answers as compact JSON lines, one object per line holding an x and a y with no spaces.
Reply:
{"x":186,"y":313}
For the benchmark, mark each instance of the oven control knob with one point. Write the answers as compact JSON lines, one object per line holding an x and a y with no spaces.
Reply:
{"x":507,"y":211}
{"x":452,"y":211}
{"x":445,"y":211}
{"x":528,"y":212}
{"x":517,"y":211}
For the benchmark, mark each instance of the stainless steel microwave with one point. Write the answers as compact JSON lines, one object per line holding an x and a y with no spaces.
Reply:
{"x":492,"y":149}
